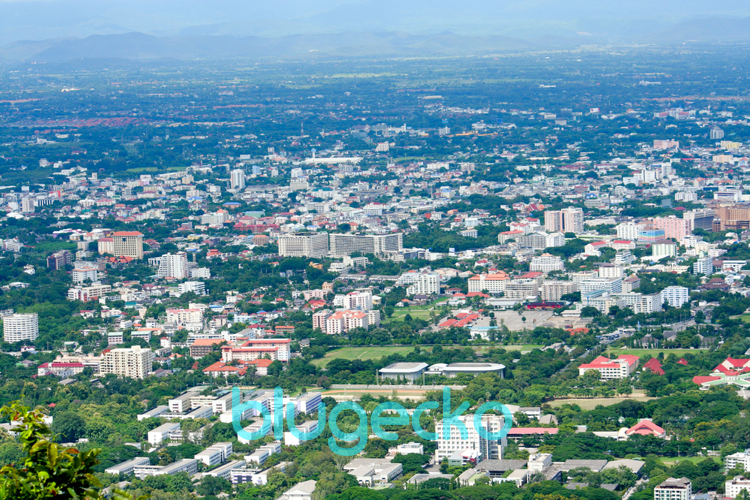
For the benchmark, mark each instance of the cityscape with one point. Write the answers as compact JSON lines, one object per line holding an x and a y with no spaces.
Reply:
{"x":563,"y":230}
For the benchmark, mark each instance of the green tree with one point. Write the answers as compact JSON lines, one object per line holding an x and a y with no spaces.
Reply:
{"x":70,"y":426}
{"x":47,"y":471}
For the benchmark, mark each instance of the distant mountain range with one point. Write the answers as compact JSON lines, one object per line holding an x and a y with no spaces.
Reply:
{"x":64,"y":30}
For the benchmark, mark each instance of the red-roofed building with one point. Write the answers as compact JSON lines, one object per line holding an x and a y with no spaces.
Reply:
{"x":702,"y":379}
{"x":654,"y":365}
{"x":647,"y":428}
{"x":621,"y":367}
{"x":201,"y":347}
{"x":732,"y":366}
{"x":682,"y":361}
{"x":221,"y":369}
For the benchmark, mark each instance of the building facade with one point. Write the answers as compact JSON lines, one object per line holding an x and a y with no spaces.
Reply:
{"x":20,"y":327}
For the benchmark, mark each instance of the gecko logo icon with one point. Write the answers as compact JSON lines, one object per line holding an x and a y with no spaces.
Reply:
{"x":395,"y":414}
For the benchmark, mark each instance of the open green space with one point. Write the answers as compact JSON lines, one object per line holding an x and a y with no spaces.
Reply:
{"x":514,"y":347}
{"x":653,"y":352}
{"x":362,"y":353}
{"x":672,"y":460}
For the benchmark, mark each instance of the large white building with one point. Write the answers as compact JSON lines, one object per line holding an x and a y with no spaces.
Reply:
{"x":546,"y":263}
{"x":675,"y":296}
{"x":134,"y":362}
{"x":303,"y":245}
{"x":554,"y":290}
{"x":704,"y":265}
{"x":491,"y":283}
{"x":678,"y":489}
{"x":475,"y":447}
{"x":185,"y":317}
{"x":732,"y":488}
{"x":237,"y":180}
{"x":426,"y":284}
{"x":18,"y":327}
{"x":378,"y":244}
{"x":171,"y":265}
{"x":609,"y":285}
{"x":629,"y":230}
{"x":621,"y":367}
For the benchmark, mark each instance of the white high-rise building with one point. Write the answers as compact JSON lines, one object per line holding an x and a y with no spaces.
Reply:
{"x":704,"y":265}
{"x":237,"y":180}
{"x":172,"y":265}
{"x":359,"y":299}
{"x":546,"y":263}
{"x":134,"y":362}
{"x":629,"y":230}
{"x":677,"y":489}
{"x":303,"y":245}
{"x":378,"y":244}
{"x":474,"y":446}
{"x":18,"y":327}
{"x":426,"y":284}
{"x":675,"y":296}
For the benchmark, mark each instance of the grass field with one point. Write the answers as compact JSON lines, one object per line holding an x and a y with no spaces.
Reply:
{"x":654,"y":352}
{"x":520,"y":347}
{"x":744,"y":317}
{"x":421,"y":313}
{"x":591,"y":403}
{"x":671,"y":461}
{"x":362,"y":353}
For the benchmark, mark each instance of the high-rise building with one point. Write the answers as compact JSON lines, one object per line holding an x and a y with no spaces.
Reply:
{"x":673,"y":227}
{"x":676,"y":489}
{"x":704,"y":265}
{"x":554,"y":290}
{"x":567,"y":220}
{"x":546,"y":263}
{"x":475,"y":447}
{"x":18,"y":327}
{"x":59,"y":260}
{"x":378,"y":244}
{"x":716,"y":133}
{"x":700,"y":219}
{"x":128,"y":244}
{"x":133,"y":362}
{"x":303,"y":245}
{"x":171,"y":265}
{"x":629,"y":230}
{"x":237,"y":180}
{"x":675,"y":296}
{"x":426,"y":284}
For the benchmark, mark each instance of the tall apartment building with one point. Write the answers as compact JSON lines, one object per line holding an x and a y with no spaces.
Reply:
{"x":426,"y":284}
{"x":629,"y":230}
{"x":185,"y":317}
{"x":359,"y":299}
{"x":134,"y":362}
{"x":567,"y":220}
{"x":608,"y":285}
{"x":546,"y":263}
{"x":554,"y":290}
{"x":237,"y":180}
{"x":673,"y":227}
{"x":59,"y":260}
{"x":675,"y":296}
{"x":474,"y":447}
{"x":171,"y":265}
{"x":303,"y":245}
{"x":127,"y":244}
{"x":378,"y":244}
{"x":607,"y":270}
{"x":704,"y":265}
{"x":675,"y":489}
{"x":86,"y":293}
{"x":19,"y":327}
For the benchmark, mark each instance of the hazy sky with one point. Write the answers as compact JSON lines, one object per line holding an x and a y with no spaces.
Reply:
{"x":45,"y":19}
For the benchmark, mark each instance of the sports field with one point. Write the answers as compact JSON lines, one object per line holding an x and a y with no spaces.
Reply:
{"x":362,"y":353}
